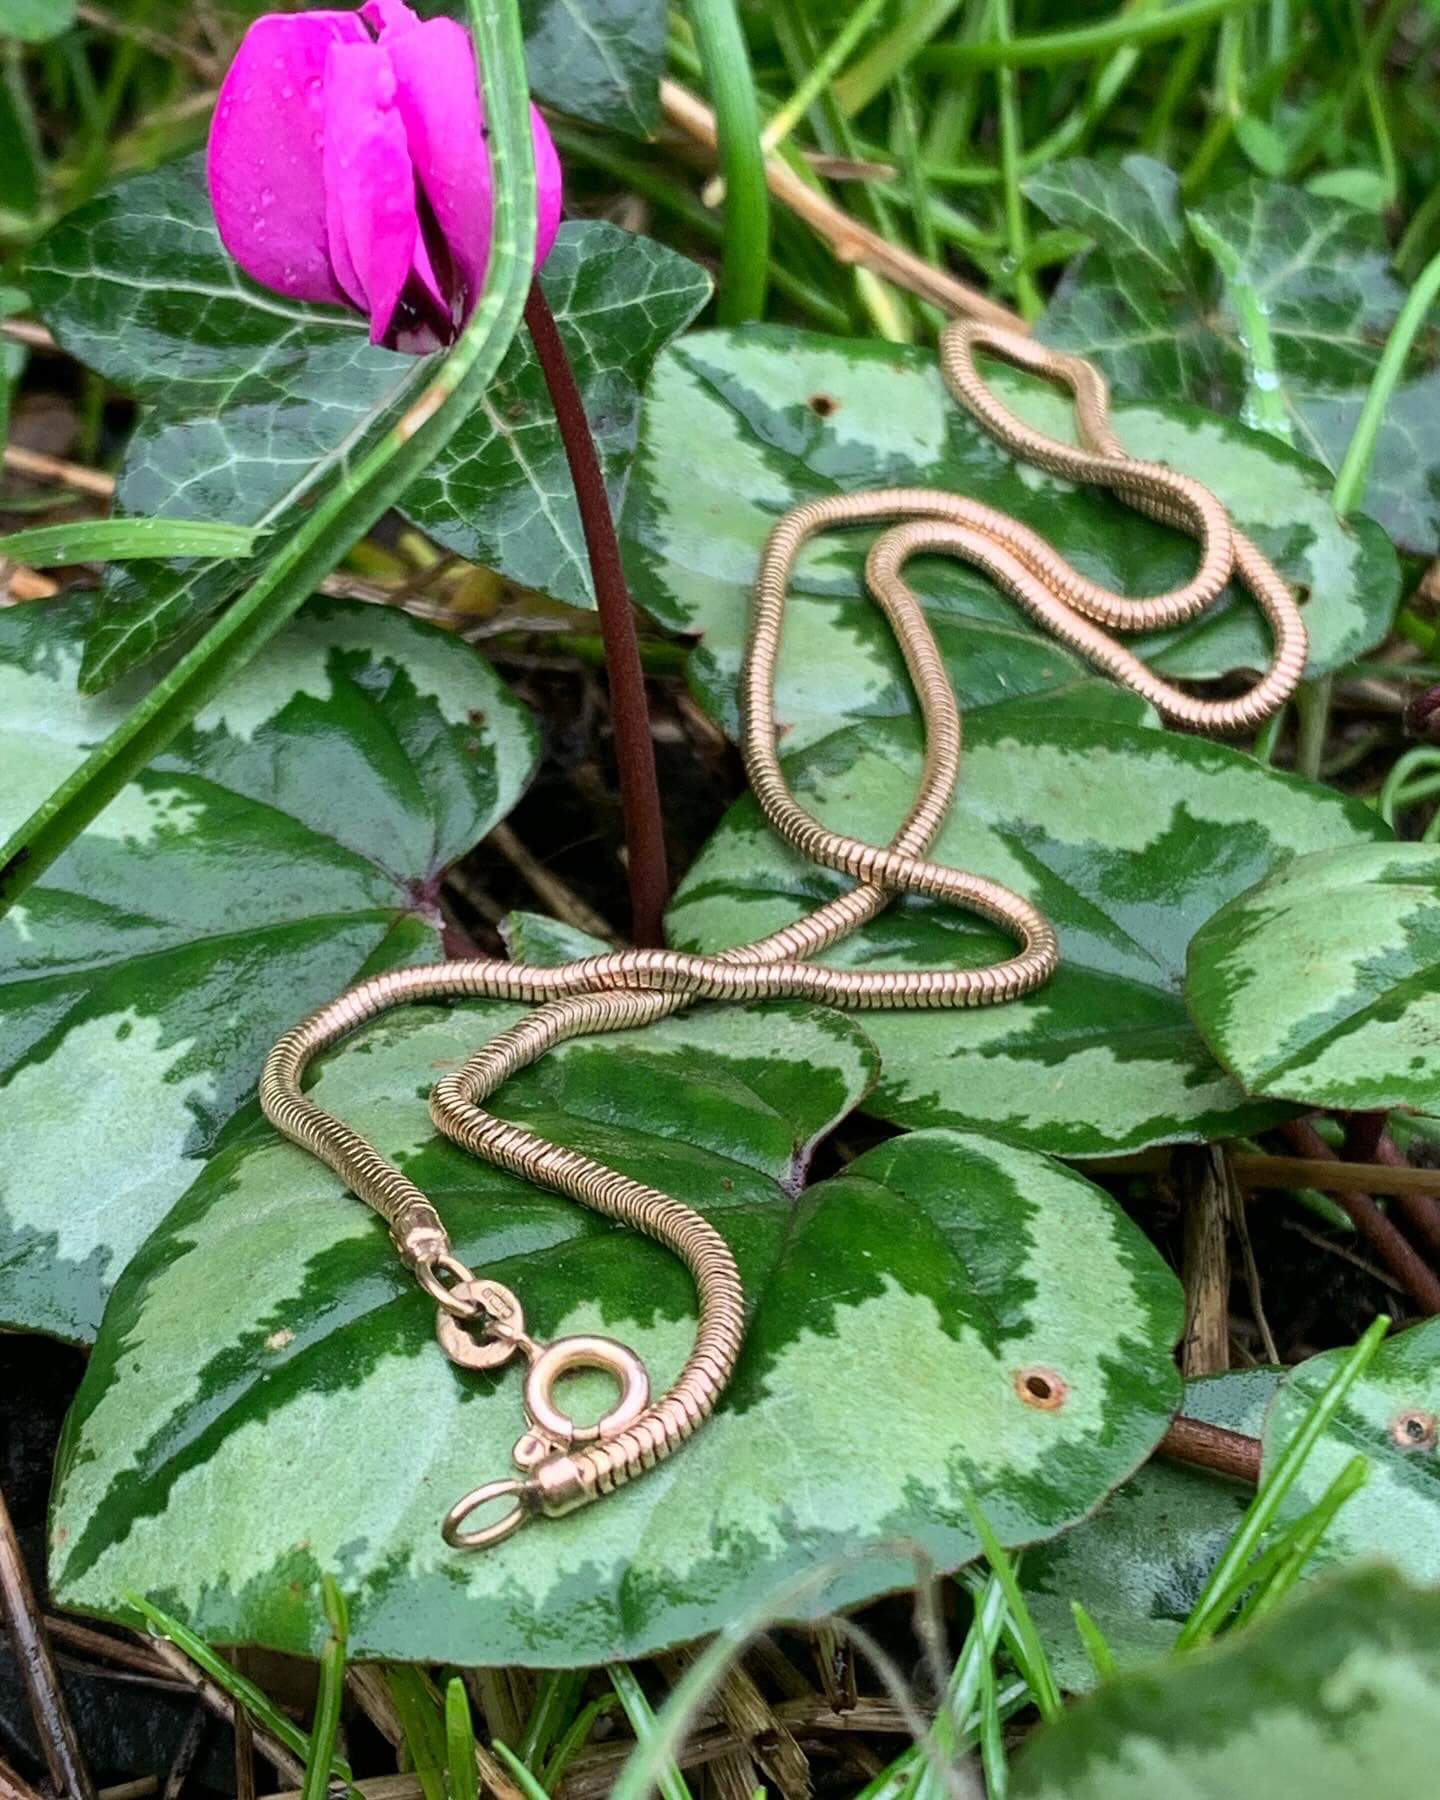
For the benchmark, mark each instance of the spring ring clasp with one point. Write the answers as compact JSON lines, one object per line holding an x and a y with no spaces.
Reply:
{"x":553,"y":1483}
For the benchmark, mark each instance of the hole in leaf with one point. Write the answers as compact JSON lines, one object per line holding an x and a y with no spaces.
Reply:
{"x":823,"y":405}
{"x":1041,"y":1387}
{"x":1413,"y":1430}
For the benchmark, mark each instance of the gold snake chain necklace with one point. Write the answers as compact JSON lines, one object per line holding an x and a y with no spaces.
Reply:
{"x":480,"y":1323}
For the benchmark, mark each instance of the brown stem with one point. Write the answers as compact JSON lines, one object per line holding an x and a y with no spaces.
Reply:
{"x":1394,"y":1249}
{"x":634,"y":749}
{"x":38,"y":1674}
{"x":1212,"y":1447}
{"x":1200,"y":1182}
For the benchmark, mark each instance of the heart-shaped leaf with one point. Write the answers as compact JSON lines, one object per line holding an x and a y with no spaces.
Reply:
{"x":1166,"y":320}
{"x":294,"y":836}
{"x":598,"y":59}
{"x":785,"y":416}
{"x":1322,"y":984}
{"x":1390,"y":1417}
{"x":245,"y":390}
{"x":501,"y":493}
{"x":595,"y":59}
{"x":914,"y":1324}
{"x":1138,"y":1566}
{"x":1128,"y":839}
{"x":1337,"y":1694}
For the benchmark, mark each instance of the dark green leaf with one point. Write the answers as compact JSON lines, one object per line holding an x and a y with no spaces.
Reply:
{"x":1165,"y":322}
{"x":739,"y":426}
{"x":234,"y":1439}
{"x":247,"y":390}
{"x":599,"y":60}
{"x":501,"y":492}
{"x":1139,"y":1564}
{"x":1320,"y":984}
{"x":293,"y":836}
{"x":1128,"y":839}
{"x":1335,"y":1695}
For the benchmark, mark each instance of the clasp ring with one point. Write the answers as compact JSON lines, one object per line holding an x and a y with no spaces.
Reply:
{"x":585,"y":1352}
{"x":488,"y":1534}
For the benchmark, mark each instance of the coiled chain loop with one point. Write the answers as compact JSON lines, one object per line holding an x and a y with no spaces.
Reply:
{"x":480,"y":1322}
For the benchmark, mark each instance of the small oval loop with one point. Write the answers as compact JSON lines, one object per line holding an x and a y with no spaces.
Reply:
{"x":585,"y":1352}
{"x":487,"y":1534}
{"x":447,"y":1299}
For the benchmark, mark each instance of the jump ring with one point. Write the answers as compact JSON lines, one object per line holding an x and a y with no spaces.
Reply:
{"x":444,"y":1297}
{"x":585,"y":1352}
{"x":503,"y":1527}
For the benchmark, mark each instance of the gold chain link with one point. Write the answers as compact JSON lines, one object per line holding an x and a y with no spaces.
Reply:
{"x":480,"y":1323}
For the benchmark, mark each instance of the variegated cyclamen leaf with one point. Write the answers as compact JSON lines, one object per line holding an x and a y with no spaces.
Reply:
{"x":1322,"y":984}
{"x":740,"y":425}
{"x":245,"y":390}
{"x":1390,"y":1418}
{"x":1334,"y":1696}
{"x":1138,"y":1566}
{"x":293,"y":836}
{"x":1128,"y":839}
{"x":234,"y":1440}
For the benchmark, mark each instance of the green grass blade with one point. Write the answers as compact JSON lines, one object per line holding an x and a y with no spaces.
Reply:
{"x":1034,"y":1664}
{"x":460,"y":1743}
{"x":668,"y":1780}
{"x":1354,"y":472}
{"x":1209,"y":1609}
{"x":745,"y":253}
{"x":524,"y":1780}
{"x":575,"y":1737}
{"x":244,"y":1692}
{"x":126,"y":540}
{"x":424,"y":1728}
{"x":1093,"y":1641}
{"x":442,"y":397}
{"x":329,"y":1696}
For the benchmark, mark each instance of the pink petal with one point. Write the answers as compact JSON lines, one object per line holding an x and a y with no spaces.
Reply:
{"x":373,"y":227}
{"x":440,"y":103}
{"x":265,"y":162}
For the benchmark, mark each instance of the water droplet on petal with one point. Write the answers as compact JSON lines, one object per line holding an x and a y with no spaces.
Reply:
{"x":287,"y":92}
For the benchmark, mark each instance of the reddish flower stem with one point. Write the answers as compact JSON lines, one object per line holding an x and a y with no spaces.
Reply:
{"x":634,"y":749}
{"x":1395,"y":1250}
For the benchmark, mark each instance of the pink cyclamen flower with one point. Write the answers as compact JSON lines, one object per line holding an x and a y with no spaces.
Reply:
{"x":348,"y":163}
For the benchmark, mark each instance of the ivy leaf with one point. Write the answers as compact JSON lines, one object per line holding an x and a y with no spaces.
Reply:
{"x":1319,"y":985}
{"x":1335,"y":1694}
{"x":1389,"y":1416}
{"x":898,"y":1313}
{"x":244,"y":390}
{"x":599,"y":60}
{"x":1128,"y":839}
{"x":1165,"y":322}
{"x":1139,"y":1565}
{"x":501,"y":493}
{"x":786,"y":416}
{"x":294,"y":836}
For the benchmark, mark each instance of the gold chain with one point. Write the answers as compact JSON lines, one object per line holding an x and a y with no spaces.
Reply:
{"x":480,"y":1323}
